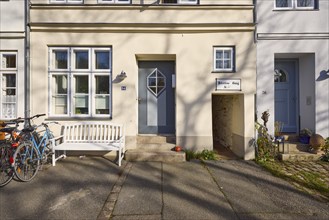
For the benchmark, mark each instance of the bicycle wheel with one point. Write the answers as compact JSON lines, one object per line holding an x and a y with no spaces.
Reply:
{"x":6,"y":171}
{"x":27,"y":162}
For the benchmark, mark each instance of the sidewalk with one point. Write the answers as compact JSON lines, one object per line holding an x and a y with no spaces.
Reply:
{"x":76,"y":188}
{"x":96,"y":188}
{"x":231,"y":189}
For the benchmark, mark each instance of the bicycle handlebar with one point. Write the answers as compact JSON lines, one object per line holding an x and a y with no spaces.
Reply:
{"x":34,"y":116}
{"x":12,"y":122}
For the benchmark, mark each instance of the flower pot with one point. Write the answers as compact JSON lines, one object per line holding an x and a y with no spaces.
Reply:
{"x":304,"y":139}
{"x":178,"y":148}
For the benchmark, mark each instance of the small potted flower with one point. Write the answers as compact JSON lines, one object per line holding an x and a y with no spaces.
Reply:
{"x":305,"y":135}
{"x":178,"y":148}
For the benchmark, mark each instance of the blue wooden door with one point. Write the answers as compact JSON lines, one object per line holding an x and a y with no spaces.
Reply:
{"x":286,"y":100}
{"x":156,"y":97}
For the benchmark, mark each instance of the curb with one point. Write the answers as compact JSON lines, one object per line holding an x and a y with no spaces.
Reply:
{"x":109,"y":204}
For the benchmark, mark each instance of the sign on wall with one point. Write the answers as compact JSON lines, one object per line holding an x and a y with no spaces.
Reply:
{"x":228,"y":84}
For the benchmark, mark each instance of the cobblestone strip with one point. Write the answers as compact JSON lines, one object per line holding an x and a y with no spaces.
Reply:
{"x":293,"y":168}
{"x":108,"y":207}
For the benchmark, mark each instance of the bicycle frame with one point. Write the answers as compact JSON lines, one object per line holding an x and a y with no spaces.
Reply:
{"x":42,"y":145}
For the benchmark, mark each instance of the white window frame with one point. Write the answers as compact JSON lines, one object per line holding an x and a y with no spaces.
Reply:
{"x":224,"y":48}
{"x":115,"y":1}
{"x":191,"y":2}
{"x":52,"y":59}
{"x":73,"y":58}
{"x":186,"y":2}
{"x":71,"y":72}
{"x":4,"y":71}
{"x":294,"y":6}
{"x":66,"y":1}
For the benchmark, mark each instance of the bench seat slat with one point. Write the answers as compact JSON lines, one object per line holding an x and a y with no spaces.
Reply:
{"x":88,"y":146}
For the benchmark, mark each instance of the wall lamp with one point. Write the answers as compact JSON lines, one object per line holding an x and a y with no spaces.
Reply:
{"x":120,"y":77}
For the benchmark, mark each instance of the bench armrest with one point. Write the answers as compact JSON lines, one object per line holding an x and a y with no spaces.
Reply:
{"x":53,"y":140}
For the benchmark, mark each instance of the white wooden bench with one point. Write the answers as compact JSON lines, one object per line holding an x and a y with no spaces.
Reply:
{"x":90,"y":136}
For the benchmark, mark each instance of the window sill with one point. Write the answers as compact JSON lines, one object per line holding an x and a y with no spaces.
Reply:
{"x":223,"y":71}
{"x":295,"y":9}
{"x":67,"y":118}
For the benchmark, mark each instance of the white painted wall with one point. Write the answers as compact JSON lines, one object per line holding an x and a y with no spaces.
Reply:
{"x":12,"y":16}
{"x":152,"y":33}
{"x":12,"y":33}
{"x":301,"y":34}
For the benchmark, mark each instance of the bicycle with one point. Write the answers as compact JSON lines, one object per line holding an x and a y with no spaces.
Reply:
{"x":33,"y":150}
{"x":7,"y":149}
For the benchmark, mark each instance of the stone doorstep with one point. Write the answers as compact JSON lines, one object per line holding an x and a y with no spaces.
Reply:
{"x":295,"y":151}
{"x":296,"y":147}
{"x":300,"y":156}
{"x":155,"y":155}
{"x":155,"y":139}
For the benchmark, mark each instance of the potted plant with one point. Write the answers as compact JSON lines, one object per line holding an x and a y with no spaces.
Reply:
{"x":178,"y":148}
{"x":305,"y":135}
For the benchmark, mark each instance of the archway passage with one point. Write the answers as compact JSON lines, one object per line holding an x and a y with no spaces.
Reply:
{"x":222,"y":119}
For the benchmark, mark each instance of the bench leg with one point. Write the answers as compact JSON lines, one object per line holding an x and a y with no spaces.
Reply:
{"x":53,"y":158}
{"x":58,"y":158}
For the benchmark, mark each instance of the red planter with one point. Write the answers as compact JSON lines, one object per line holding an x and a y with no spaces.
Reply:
{"x":178,"y":148}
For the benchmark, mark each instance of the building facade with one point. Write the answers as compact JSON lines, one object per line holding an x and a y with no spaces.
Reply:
{"x":293,"y":64}
{"x":12,"y":58}
{"x":183,"y":68}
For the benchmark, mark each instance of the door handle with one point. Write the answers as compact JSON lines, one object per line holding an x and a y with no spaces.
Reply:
{"x":139,"y":99}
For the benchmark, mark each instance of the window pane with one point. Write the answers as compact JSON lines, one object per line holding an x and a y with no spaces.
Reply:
{"x":9,"y":61}
{"x":8,"y":95}
{"x":305,"y":3}
{"x":161,"y":82}
{"x":169,"y":1}
{"x":60,"y":59}
{"x":219,"y":64}
{"x":102,"y":85}
{"x":219,"y":54}
{"x":9,"y":80}
{"x":188,"y":1}
{"x":9,"y":110}
{"x":283,"y":3}
{"x":227,"y":64}
{"x":152,"y":82}
{"x":227,"y":54}
{"x":59,"y":104}
{"x":102,"y":105}
{"x":81,"y":60}
{"x":102,"y":59}
{"x":59,"y":96}
{"x":81,"y":103}
{"x":60,"y":84}
{"x":122,"y":1}
{"x":81,"y":84}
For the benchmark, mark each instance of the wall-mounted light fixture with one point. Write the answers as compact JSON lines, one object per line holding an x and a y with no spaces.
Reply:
{"x":120,"y":77}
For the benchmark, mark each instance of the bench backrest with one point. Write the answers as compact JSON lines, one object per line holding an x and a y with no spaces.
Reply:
{"x":92,"y":132}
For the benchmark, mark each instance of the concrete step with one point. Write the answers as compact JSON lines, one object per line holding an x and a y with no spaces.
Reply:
{"x":155,"y":155}
{"x":156,"y":139}
{"x":291,"y":137}
{"x":296,"y":147}
{"x":300,"y":156}
{"x":155,"y":146}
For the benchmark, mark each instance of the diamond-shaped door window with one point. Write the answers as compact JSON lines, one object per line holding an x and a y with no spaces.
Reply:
{"x":156,"y":82}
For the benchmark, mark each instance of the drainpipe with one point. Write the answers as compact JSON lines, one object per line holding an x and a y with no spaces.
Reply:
{"x":27,"y":60}
{"x":255,"y":20}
